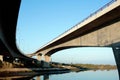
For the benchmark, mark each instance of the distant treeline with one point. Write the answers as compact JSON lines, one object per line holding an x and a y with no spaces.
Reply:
{"x":96,"y":66}
{"x":89,"y":66}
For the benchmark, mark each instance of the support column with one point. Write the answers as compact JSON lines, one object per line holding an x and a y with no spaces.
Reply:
{"x":47,"y":58}
{"x":39,"y":56}
{"x":46,"y":61}
{"x":116,"y":50}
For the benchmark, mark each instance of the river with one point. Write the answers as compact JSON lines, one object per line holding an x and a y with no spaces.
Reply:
{"x":84,"y":75}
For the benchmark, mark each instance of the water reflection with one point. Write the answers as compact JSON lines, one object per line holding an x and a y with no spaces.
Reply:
{"x":16,"y":78}
{"x":38,"y":78}
{"x":30,"y":76}
{"x":91,"y":75}
{"x":45,"y":77}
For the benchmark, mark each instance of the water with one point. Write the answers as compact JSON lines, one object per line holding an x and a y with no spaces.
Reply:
{"x":85,"y":75}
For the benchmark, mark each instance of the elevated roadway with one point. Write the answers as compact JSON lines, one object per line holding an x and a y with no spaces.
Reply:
{"x":9,"y":10}
{"x":101,"y":29}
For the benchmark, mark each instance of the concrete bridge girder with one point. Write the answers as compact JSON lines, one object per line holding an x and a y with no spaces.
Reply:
{"x":101,"y":37}
{"x":101,"y":29}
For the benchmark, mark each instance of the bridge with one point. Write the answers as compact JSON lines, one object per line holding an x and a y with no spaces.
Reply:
{"x":8,"y":20}
{"x":101,"y":29}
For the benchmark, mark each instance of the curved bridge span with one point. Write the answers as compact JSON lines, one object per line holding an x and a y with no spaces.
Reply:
{"x":100,"y":29}
{"x":8,"y":20}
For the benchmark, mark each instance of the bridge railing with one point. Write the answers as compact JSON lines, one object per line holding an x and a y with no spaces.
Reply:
{"x":75,"y":26}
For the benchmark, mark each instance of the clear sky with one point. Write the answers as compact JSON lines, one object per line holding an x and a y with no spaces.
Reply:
{"x":89,"y":55}
{"x":40,"y":21}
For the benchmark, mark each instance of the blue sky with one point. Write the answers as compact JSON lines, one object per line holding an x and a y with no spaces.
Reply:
{"x":94,"y":55}
{"x":40,"y":21}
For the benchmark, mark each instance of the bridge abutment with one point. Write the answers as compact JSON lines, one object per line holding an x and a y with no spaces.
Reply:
{"x":46,"y":59}
{"x":43,"y":57}
{"x":39,"y":57}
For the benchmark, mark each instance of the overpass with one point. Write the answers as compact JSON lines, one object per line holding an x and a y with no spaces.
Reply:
{"x":101,"y":29}
{"x":8,"y":20}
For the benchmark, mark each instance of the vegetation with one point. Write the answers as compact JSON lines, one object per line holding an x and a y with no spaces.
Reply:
{"x":4,"y":64}
{"x":96,"y":67}
{"x":85,"y":66}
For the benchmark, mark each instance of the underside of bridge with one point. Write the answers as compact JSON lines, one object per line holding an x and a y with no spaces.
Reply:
{"x":100,"y":37}
{"x":9,"y":11}
{"x":103,"y":31}
{"x":8,"y":20}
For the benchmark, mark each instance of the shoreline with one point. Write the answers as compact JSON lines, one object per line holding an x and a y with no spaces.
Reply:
{"x":31,"y":71}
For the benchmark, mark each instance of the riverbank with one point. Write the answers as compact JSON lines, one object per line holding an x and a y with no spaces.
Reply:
{"x":10,"y":69}
{"x":30,"y":71}
{"x":84,"y":67}
{"x":95,"y":66}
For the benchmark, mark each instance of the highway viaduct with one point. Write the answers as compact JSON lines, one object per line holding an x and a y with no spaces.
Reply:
{"x":8,"y":21}
{"x":101,"y":29}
